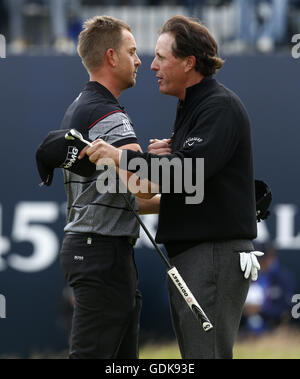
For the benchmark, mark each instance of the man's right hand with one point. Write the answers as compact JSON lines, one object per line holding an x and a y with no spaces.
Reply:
{"x":160,"y":147}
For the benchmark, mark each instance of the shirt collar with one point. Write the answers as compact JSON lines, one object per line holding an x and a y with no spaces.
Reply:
{"x":96,"y":86}
{"x":197,"y":89}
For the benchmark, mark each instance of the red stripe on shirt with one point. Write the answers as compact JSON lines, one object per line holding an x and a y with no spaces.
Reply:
{"x":102,"y":118}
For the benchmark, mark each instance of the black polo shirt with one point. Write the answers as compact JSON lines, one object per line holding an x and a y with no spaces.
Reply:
{"x":213,"y":124}
{"x":96,"y":113}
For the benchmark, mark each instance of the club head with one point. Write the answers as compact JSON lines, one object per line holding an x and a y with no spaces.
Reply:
{"x":72,"y":134}
{"x":75,"y":134}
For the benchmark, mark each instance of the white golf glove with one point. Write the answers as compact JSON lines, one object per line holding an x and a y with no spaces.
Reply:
{"x":250,"y":265}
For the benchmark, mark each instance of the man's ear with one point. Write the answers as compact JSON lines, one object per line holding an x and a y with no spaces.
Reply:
{"x":111,"y":56}
{"x":190,"y":63}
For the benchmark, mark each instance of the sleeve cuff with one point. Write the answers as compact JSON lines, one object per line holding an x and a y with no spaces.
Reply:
{"x":125,"y":141}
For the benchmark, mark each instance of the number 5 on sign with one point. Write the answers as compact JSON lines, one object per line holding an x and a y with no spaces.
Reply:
{"x":26,"y":228}
{"x":44,"y":240}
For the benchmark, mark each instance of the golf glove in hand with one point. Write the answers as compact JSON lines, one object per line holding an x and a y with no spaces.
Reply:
{"x":250,"y":265}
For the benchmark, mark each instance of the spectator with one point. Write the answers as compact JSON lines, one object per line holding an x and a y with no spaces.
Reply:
{"x":58,"y":13}
{"x":269,"y":299}
{"x":268,"y":31}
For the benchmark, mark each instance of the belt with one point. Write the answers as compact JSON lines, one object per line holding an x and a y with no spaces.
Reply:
{"x":132,"y":241}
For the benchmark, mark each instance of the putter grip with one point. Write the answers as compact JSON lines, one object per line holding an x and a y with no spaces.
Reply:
{"x":190,"y":299}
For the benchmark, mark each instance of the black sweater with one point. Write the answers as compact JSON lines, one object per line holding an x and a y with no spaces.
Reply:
{"x":213,"y":124}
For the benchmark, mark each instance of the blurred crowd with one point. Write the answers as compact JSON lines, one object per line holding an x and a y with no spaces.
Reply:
{"x":260,"y":24}
{"x":64,"y":16}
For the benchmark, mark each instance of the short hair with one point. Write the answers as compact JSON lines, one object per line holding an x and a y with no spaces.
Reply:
{"x":99,"y":34}
{"x":193,"y":38}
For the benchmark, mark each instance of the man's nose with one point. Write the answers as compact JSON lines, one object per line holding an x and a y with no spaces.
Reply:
{"x":154,"y":66}
{"x":138,"y":61}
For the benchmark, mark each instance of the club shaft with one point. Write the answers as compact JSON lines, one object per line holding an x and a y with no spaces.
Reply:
{"x":176,"y":278}
{"x":161,"y":254}
{"x":86,"y":142}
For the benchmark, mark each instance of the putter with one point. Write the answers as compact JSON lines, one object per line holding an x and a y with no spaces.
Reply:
{"x":172,"y":271}
{"x":74,"y":134}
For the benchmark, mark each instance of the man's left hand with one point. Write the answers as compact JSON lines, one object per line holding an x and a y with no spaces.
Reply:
{"x":160,"y":147}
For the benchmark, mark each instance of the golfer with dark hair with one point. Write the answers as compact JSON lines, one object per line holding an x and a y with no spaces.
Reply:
{"x":208,"y":242}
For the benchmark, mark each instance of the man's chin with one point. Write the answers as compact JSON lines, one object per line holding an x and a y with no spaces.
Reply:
{"x":131,"y":84}
{"x":163,"y":90}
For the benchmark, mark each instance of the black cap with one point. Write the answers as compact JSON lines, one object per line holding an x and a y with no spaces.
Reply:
{"x":58,"y":152}
{"x":263,"y":195}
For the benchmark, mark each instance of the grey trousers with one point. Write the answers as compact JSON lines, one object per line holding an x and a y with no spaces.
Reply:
{"x":213,"y":274}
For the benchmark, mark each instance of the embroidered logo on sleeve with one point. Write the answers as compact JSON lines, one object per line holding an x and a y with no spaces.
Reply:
{"x":191,"y":141}
{"x":127,"y":126}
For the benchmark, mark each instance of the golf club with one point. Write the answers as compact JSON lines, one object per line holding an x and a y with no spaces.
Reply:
{"x":73,"y":133}
{"x":172,"y":271}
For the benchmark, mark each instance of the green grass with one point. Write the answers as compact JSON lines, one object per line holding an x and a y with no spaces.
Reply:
{"x":284,"y":344}
{"x":163,"y":351}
